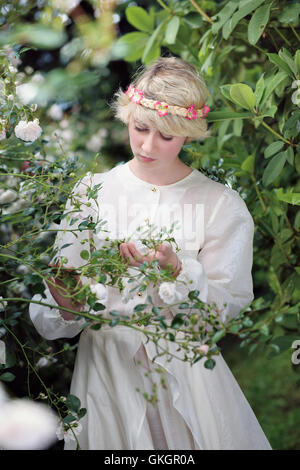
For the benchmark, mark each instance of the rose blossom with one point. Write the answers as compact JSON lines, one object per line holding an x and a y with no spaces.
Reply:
{"x":100,"y":291}
{"x":168,"y":292}
{"x":28,"y":131}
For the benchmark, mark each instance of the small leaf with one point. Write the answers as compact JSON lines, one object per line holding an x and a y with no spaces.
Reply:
{"x":273,"y":148}
{"x":73,"y":403}
{"x":84,"y":254}
{"x":258,"y":23}
{"x":172,"y":30}
{"x":139,"y":18}
{"x":274,"y":168}
{"x":7,"y":377}
{"x":248,"y":164}
{"x":209,"y":364}
{"x":243,"y":95}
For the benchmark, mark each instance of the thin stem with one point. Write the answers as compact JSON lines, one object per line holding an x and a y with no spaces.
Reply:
{"x":275,"y":133}
{"x":281,"y":35}
{"x":164,"y":6}
{"x":201,"y":11}
{"x":295,"y":32}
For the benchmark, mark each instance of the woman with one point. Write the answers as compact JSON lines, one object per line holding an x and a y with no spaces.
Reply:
{"x":199,"y":408}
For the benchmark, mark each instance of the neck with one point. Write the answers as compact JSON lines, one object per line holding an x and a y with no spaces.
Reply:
{"x":159,"y":176}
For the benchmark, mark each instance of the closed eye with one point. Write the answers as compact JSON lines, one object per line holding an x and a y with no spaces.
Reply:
{"x":140,"y":129}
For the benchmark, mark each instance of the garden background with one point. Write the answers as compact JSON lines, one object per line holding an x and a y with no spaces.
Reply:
{"x":61,"y":63}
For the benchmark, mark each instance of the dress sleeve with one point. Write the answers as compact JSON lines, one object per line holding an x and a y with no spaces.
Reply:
{"x":69,"y":244}
{"x":222,"y":270}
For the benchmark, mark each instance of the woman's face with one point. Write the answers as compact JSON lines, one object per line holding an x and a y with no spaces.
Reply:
{"x":152,"y":148}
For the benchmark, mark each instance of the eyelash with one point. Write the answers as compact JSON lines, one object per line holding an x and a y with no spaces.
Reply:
{"x":142,"y":130}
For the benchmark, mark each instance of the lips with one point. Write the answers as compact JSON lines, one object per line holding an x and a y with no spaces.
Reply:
{"x":147,"y":159}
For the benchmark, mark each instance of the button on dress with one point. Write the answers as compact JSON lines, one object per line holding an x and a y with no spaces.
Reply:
{"x":198,"y":408}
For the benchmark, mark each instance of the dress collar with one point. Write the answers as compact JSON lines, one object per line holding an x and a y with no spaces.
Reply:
{"x":127,"y":175}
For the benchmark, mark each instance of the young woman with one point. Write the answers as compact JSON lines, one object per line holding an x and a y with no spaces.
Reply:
{"x":199,"y":408}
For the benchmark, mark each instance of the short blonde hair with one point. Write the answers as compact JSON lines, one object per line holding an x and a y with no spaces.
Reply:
{"x":174,"y":81}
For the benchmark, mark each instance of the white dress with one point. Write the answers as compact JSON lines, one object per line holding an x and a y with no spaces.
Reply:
{"x":199,"y":408}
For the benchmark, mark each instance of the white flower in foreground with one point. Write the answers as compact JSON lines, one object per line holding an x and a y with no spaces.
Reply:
{"x":8,"y":196}
{"x":55,"y":112}
{"x":168,"y":292}
{"x":100,"y":291}
{"x":25,"y":425}
{"x":68,"y":434}
{"x":3,"y":134}
{"x":28,"y":131}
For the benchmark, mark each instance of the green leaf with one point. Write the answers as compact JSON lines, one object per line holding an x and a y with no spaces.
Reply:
{"x":132,"y":45}
{"x":289,"y":13}
{"x":274,"y":168}
{"x":172,"y":30}
{"x":243,"y":95}
{"x":270,"y":84}
{"x":84,"y":254}
{"x":7,"y":377}
{"x":289,"y":197}
{"x":259,"y":89}
{"x":209,"y":364}
{"x":273,"y":148}
{"x":225,"y":114}
{"x":73,"y":403}
{"x":139,"y":18}
{"x":218,"y":335}
{"x":258,"y":23}
{"x":275,"y":59}
{"x":285,"y":55}
{"x":248,"y":164}
{"x":151,"y":44}
{"x":245,"y":10}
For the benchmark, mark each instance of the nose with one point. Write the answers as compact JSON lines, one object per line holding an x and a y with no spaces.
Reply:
{"x":148,"y":144}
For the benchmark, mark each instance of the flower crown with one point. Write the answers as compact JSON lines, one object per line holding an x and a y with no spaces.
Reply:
{"x":137,"y":97}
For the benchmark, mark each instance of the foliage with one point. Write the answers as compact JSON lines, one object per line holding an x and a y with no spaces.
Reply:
{"x":247,"y":53}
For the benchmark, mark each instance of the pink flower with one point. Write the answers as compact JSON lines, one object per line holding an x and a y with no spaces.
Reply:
{"x":161,"y":108}
{"x":204,"y":349}
{"x":205,"y":110}
{"x":191,"y":113}
{"x":134,"y":94}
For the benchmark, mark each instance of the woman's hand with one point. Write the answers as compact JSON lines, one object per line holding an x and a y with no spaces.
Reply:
{"x":164,"y":254}
{"x":63,"y":294}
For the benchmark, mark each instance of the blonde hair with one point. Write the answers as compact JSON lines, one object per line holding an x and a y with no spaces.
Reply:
{"x":171,"y":80}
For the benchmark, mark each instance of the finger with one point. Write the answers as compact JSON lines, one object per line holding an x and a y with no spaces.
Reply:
{"x":135,"y":253}
{"x":127,"y":255}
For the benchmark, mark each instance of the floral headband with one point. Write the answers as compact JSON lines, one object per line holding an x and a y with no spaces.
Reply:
{"x":137,"y":96}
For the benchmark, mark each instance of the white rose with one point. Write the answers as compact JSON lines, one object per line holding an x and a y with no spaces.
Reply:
{"x":28,"y":131}
{"x":55,"y":112}
{"x":45,"y":362}
{"x":8,"y":196}
{"x":25,"y":425}
{"x":100,"y":291}
{"x":168,"y":292}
